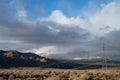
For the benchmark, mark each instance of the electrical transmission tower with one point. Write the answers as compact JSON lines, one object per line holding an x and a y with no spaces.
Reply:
{"x":104,"y":57}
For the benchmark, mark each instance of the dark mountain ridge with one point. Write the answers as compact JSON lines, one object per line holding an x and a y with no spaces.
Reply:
{"x":15,"y":59}
{"x":12,"y":58}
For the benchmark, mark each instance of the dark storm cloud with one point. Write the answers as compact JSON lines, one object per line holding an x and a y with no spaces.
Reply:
{"x":94,"y":47}
{"x":42,"y":32}
{"x":113,"y":43}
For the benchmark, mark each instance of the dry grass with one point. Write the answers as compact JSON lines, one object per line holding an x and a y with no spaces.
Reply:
{"x":58,"y":74}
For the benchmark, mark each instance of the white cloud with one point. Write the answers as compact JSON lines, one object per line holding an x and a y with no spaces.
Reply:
{"x":22,"y":13}
{"x":87,"y":58}
{"x":58,"y":17}
{"x":48,"y":50}
{"x":45,"y":51}
{"x":108,"y":16}
{"x":24,"y":18}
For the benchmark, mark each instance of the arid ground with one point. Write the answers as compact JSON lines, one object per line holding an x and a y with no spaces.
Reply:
{"x":58,"y":74}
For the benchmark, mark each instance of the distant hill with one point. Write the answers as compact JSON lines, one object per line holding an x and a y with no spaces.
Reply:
{"x":14,"y":59}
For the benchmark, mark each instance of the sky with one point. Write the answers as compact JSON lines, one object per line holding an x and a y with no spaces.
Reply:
{"x":61,"y":29}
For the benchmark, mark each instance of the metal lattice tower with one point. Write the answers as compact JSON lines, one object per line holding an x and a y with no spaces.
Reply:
{"x":104,"y":57}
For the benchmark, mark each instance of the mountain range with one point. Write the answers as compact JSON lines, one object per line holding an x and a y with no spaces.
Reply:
{"x":15,"y":59}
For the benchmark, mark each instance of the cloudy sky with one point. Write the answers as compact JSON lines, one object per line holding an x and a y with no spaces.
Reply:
{"x":67,"y":29}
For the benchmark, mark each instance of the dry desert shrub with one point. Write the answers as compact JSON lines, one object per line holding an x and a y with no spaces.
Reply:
{"x":51,"y":74}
